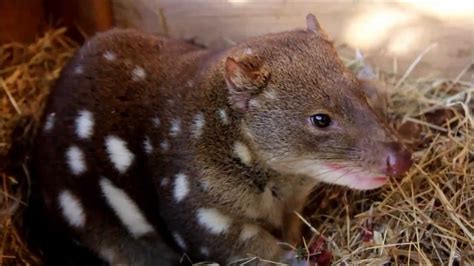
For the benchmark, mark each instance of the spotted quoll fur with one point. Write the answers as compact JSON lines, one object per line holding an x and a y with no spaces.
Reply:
{"x":153,"y":147}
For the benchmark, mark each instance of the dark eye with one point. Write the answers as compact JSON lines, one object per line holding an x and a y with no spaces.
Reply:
{"x":321,"y":120}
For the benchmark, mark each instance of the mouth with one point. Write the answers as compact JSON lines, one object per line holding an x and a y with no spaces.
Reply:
{"x":381,"y":178}
{"x":352,"y":177}
{"x":369,"y":182}
{"x":335,"y":173}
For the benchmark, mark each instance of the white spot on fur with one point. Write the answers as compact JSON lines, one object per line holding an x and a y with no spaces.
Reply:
{"x":75,"y":160}
{"x":243,"y":152}
{"x":147,"y":146}
{"x":156,"y":121}
{"x":165,"y":145}
{"x":254,"y":103}
{"x":248,"y":232}
{"x":270,"y":94}
{"x":181,"y":187}
{"x":84,"y":124}
{"x":198,"y":124}
{"x":108,"y":255}
{"x":78,"y":70}
{"x":109,"y":56}
{"x":49,"y":124}
{"x":72,"y":209}
{"x":190,"y":83}
{"x":126,"y":210}
{"x":179,"y":240}
{"x":248,"y":51}
{"x":205,"y":251}
{"x":175,"y":127}
{"x":118,"y":153}
{"x":164,"y":181}
{"x":213,"y":220}
{"x":223,"y":116}
{"x":138,"y":73}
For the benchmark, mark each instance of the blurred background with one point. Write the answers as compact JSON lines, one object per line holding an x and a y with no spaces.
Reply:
{"x":390,"y":33}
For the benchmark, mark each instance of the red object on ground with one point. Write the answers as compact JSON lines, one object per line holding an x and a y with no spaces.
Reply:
{"x":318,"y":254}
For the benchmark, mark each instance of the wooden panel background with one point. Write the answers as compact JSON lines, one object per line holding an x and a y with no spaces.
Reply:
{"x":384,"y":30}
{"x":21,"y":20}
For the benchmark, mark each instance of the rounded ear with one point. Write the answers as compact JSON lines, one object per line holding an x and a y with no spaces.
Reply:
{"x":376,"y":95}
{"x":312,"y":23}
{"x":245,"y":78}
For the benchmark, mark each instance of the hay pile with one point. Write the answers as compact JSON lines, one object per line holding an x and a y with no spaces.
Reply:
{"x":424,"y":218}
{"x":27,"y":73}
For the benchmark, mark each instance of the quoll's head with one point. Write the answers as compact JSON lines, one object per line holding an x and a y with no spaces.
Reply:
{"x":305,"y":113}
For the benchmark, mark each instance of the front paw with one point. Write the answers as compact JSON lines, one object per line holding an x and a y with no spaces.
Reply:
{"x":317,"y":256}
{"x":293,"y":259}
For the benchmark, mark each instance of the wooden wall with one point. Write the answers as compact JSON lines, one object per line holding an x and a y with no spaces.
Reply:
{"x":391,"y":33}
{"x":25,"y":20}
{"x":384,"y":30}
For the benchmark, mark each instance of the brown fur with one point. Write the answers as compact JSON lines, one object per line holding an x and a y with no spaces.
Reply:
{"x":269,"y":86}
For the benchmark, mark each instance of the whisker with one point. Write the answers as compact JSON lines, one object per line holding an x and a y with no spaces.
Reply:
{"x":335,"y":149}
{"x":351,"y":172}
{"x":346,"y":158}
{"x":345,"y":148}
{"x":310,"y":200}
{"x":339,"y":160}
{"x":343,"y":175}
{"x":323,"y":153}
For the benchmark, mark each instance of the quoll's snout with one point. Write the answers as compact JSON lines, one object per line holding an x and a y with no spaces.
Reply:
{"x":397,"y":159}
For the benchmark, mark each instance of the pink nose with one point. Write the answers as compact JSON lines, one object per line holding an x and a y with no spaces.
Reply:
{"x":397,"y":159}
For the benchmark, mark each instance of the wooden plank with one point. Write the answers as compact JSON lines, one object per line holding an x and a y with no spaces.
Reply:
{"x":383,"y":30}
{"x":81,"y":17}
{"x":21,"y":20}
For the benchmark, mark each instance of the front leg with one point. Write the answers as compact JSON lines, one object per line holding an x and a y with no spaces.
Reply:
{"x":251,"y":244}
{"x":253,"y":241}
{"x":257,"y":246}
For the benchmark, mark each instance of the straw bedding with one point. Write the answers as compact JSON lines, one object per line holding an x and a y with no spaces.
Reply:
{"x":425,"y":217}
{"x":26,"y":75}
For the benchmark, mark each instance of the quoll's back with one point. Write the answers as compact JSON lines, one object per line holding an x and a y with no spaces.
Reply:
{"x":93,"y":151}
{"x":152,"y":147}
